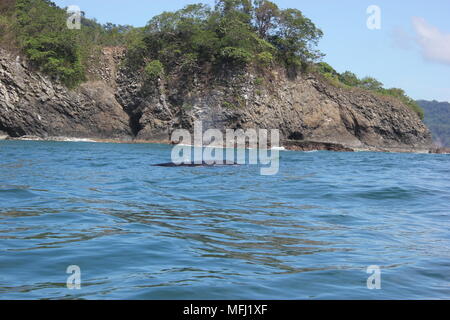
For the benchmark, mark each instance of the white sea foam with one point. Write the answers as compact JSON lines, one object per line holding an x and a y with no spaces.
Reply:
{"x":69,"y":139}
{"x":60,"y":139}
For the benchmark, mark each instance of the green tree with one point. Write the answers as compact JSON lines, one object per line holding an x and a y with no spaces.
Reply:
{"x":325,"y":68}
{"x":236,"y":9}
{"x":47,"y":41}
{"x":173,"y":37}
{"x":237,"y":56}
{"x":266,"y":14}
{"x":62,"y":53}
{"x":350,"y":79}
{"x":370,"y":83}
{"x":235,"y":32}
{"x":296,"y":38}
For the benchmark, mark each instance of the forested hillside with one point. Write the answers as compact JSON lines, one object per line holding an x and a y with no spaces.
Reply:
{"x":233,"y":34}
{"x":38,"y":29}
{"x":437,"y":118}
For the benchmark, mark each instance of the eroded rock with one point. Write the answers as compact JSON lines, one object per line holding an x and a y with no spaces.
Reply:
{"x":118,"y":104}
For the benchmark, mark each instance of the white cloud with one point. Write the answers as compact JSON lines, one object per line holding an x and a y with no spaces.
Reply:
{"x":435,"y":44}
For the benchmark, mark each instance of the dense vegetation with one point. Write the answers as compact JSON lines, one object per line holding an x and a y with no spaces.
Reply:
{"x":41,"y":33}
{"x":349,"y":79}
{"x":7,"y":18}
{"x":437,"y":118}
{"x":232,"y":34}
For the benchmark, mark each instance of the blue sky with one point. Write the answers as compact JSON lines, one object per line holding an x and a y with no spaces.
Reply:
{"x":410,"y":51}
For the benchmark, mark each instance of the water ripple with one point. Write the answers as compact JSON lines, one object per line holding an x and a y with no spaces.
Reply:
{"x":144,"y":232}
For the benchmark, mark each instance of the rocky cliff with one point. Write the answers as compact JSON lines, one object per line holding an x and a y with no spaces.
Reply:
{"x":119,"y":104}
{"x":32,"y":105}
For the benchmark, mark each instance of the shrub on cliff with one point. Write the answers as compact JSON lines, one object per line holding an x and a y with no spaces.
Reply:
{"x":265,"y":59}
{"x":349,"y":79}
{"x":236,"y":56}
{"x":154,"y":70}
{"x":401,"y":95}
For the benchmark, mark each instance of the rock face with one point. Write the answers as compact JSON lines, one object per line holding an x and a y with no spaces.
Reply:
{"x":309,"y":112}
{"x":32,"y":105}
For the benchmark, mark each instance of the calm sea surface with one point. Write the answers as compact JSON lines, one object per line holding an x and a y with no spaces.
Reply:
{"x":143,"y":232}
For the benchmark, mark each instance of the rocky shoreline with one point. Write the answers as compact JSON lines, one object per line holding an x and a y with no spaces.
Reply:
{"x":440,"y":150}
{"x":119,"y":106}
{"x":289,"y":145}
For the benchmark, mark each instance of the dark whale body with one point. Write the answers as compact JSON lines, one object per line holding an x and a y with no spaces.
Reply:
{"x":191,"y":164}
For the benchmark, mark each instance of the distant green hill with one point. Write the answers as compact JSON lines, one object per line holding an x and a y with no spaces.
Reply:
{"x":437,"y":118}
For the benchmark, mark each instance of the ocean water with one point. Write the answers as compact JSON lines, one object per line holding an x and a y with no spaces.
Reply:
{"x":142,"y":232}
